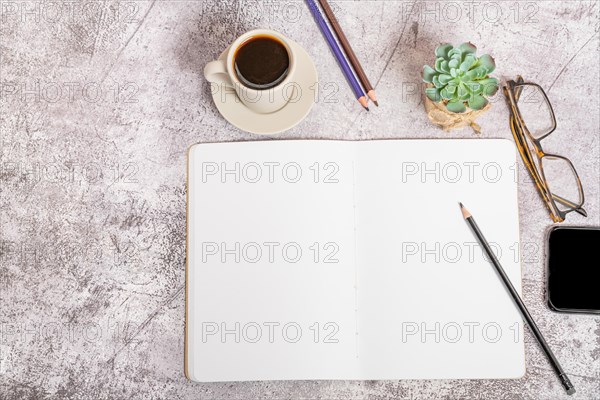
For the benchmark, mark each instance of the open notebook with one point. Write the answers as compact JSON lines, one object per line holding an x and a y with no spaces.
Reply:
{"x":351,"y":260}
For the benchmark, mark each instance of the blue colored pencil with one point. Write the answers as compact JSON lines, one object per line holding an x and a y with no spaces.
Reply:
{"x":339,"y":55}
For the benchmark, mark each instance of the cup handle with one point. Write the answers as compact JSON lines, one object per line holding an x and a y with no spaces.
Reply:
{"x":216,"y":72}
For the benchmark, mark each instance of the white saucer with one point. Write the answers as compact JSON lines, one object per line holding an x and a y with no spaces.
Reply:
{"x":240,"y":116}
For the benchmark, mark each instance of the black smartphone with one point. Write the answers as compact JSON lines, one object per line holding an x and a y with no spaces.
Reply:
{"x":573,"y":269}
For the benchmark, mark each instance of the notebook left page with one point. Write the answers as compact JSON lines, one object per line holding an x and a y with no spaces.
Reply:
{"x":271,"y":269}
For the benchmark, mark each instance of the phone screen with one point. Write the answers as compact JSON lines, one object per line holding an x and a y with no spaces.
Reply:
{"x":574,"y":269}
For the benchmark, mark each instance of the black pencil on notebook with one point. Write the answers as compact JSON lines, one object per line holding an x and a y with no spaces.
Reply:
{"x":564,"y":379}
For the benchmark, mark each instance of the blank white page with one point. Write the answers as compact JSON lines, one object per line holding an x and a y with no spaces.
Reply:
{"x":351,"y":260}
{"x":271,"y":269}
{"x":429,"y":304}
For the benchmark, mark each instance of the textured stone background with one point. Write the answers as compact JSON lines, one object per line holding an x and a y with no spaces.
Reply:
{"x":100,"y":101}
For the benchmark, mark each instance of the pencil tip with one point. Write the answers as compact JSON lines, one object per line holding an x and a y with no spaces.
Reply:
{"x":466,"y":214}
{"x":371,"y":94}
{"x":364,"y":102}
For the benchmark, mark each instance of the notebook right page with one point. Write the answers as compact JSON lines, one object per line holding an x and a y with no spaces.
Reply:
{"x":430,"y":306}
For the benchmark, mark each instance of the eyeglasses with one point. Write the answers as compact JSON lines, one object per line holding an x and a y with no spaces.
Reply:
{"x":532,"y":121}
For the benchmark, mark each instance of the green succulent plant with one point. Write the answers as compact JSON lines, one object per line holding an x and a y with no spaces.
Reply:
{"x":460,"y":78}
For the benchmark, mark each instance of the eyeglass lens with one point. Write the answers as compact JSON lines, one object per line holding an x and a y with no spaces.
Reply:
{"x":535,"y":111}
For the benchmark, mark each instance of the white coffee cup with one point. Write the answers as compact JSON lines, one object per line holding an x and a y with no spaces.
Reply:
{"x":222,"y":73}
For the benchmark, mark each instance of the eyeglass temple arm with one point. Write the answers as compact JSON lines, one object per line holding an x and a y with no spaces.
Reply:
{"x":526,"y":157}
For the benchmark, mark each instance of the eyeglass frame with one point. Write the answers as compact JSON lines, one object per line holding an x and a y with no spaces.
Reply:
{"x":512,"y":91}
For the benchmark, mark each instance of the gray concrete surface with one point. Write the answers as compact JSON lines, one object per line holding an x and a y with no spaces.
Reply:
{"x":100,"y":101}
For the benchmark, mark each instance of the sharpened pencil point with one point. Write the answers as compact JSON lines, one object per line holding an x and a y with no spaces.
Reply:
{"x":466,"y":214}
{"x":364,"y":102}
{"x":371,"y":94}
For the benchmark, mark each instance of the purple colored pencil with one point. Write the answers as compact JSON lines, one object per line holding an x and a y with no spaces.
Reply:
{"x":337,"y":52}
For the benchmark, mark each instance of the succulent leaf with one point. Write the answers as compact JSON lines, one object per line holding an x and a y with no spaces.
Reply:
{"x":445,"y":94}
{"x":441,"y":65}
{"x":445,"y":79}
{"x":460,"y":78}
{"x":456,"y":106}
{"x":428,"y":74}
{"x":477,"y":102}
{"x":468,"y":48}
{"x":490,"y":86}
{"x":469,"y":61}
{"x":454,"y":52}
{"x":433,"y":94}
{"x":474,"y":87}
{"x":462,"y":93}
{"x":442,"y":50}
{"x":488,"y":63}
{"x":477,"y":73}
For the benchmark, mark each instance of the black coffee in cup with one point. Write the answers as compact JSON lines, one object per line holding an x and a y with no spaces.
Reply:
{"x":261,"y":62}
